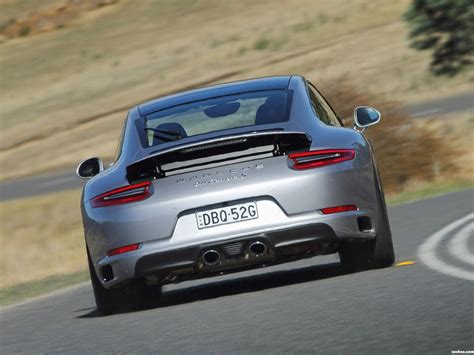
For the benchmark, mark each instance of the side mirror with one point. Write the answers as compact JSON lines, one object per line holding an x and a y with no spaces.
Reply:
{"x":365,"y":116}
{"x":89,"y":168}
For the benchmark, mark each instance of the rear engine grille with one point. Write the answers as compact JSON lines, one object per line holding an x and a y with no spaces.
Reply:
{"x":233,"y":250}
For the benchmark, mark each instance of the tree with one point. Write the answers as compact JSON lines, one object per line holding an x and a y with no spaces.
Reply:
{"x":446,"y":27}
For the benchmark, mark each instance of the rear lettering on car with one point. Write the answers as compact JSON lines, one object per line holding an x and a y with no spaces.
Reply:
{"x":206,"y":179}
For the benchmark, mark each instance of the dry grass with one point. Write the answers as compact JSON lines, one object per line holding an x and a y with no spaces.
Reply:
{"x":409,"y":151}
{"x":458,"y":131}
{"x":131,"y":51}
{"x":13,"y":9}
{"x":49,"y":18}
{"x":40,"y":237}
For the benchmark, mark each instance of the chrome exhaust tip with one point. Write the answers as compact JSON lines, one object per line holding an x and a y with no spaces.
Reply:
{"x":258,"y":249}
{"x":211,"y":257}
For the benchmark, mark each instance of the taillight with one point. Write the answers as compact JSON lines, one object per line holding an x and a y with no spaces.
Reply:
{"x":338,"y":209}
{"x":124,"y":249}
{"x":125,"y":194}
{"x":318,"y":158}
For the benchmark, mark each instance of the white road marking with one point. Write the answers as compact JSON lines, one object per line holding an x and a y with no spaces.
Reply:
{"x":458,"y":244}
{"x":427,"y":252}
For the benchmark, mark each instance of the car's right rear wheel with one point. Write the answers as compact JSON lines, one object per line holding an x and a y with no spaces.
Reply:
{"x":135,"y":295}
{"x":377,"y":253}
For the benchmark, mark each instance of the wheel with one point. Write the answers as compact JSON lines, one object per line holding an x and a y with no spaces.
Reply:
{"x":135,"y":295}
{"x":377,"y":253}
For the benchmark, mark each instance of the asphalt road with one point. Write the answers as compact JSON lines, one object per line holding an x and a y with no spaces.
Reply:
{"x":39,"y":185}
{"x":444,"y":106}
{"x":302,"y":307}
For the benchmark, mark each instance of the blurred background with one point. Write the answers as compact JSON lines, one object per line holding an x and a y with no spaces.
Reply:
{"x":70,"y":69}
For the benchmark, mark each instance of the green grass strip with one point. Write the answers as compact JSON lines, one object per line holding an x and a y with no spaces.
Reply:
{"x":22,"y":291}
{"x":428,"y":190}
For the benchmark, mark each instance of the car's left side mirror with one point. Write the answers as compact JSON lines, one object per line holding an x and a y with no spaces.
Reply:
{"x":89,"y":168}
{"x":365,"y":116}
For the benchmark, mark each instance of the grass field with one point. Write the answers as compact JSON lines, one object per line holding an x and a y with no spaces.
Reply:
{"x":41,"y":237}
{"x":58,"y":87}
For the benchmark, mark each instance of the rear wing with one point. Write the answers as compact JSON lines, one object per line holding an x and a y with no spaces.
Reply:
{"x":222,"y":150}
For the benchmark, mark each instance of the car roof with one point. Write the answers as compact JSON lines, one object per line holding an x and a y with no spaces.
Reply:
{"x":266,"y":83}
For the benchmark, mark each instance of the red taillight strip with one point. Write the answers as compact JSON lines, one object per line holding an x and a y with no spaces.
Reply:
{"x":318,"y":158}
{"x":124,"y":249}
{"x":125,"y":194}
{"x":338,"y":209}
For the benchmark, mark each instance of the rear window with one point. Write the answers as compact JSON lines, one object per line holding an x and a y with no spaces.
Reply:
{"x":216,"y":114}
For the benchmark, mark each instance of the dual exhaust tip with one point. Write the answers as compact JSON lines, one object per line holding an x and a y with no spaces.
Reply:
{"x":213,"y":257}
{"x":258,"y":249}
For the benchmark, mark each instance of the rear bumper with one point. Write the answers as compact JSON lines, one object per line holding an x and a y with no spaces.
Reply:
{"x":181,"y":263}
{"x":314,"y":239}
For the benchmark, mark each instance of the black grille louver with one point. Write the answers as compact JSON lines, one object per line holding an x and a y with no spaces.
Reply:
{"x":234,"y":249}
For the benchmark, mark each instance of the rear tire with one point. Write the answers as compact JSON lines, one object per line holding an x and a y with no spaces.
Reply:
{"x":377,"y":253}
{"x":135,"y":295}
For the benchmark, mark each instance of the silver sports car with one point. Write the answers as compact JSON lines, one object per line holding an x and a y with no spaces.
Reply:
{"x":227,"y":178}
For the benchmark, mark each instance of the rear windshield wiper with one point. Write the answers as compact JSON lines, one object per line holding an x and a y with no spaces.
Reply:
{"x":161,"y":133}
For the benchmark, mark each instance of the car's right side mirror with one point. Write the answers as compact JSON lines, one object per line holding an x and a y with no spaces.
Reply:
{"x":365,"y":116}
{"x":89,"y":168}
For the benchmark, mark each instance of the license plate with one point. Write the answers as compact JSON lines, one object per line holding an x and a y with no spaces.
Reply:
{"x":225,"y":215}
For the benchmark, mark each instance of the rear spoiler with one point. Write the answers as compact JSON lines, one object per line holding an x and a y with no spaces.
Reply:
{"x":281,"y":142}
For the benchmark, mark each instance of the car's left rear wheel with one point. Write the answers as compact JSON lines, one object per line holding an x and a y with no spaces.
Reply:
{"x":135,"y":295}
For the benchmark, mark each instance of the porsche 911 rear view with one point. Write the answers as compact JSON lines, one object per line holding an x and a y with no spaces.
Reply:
{"x":227,"y":178}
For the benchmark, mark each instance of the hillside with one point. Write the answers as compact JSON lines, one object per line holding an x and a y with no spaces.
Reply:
{"x":65,"y":92}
